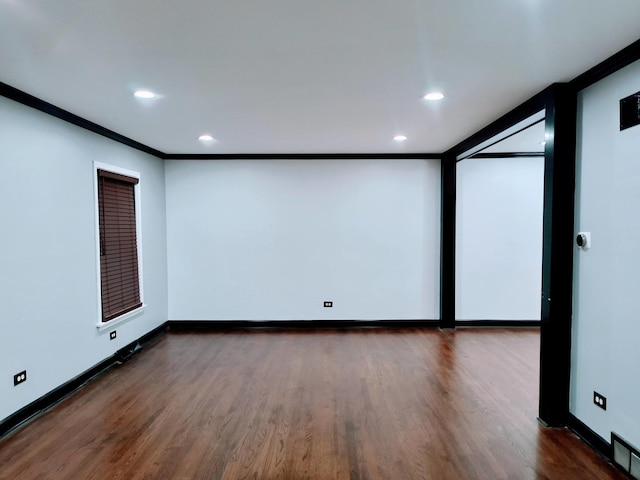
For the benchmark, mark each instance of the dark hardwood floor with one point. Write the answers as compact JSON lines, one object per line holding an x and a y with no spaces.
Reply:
{"x":316,"y":404}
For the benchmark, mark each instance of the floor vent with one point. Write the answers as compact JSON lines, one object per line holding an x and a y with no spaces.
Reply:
{"x":626,"y":456}
{"x":124,"y":355}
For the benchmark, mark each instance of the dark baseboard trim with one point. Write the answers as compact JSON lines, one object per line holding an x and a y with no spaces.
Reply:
{"x":497,"y":323}
{"x":184,"y":325}
{"x":44,"y":403}
{"x":301,"y":156}
{"x":179,"y":325}
{"x":24,"y":98}
{"x":591,"y":438}
{"x":146,"y":340}
{"x":48,"y":400}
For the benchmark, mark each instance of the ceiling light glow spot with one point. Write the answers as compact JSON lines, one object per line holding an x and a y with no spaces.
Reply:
{"x":144,"y":94}
{"x":434,"y":96}
{"x":400,"y":138}
{"x":206,"y":138}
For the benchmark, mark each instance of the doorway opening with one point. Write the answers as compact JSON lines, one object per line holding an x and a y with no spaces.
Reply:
{"x":499,"y":227}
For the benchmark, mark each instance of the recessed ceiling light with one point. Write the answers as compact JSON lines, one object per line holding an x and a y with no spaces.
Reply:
{"x":144,"y":94}
{"x":206,"y":138}
{"x":433,"y":96}
{"x":400,"y":138}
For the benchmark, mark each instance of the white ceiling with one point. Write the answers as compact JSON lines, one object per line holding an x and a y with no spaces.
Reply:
{"x":302,"y":76}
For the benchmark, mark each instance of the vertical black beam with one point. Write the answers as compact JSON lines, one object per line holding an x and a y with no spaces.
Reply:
{"x":557,"y":254}
{"x":448,"y":243}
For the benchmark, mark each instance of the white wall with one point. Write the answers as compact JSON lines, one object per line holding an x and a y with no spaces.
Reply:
{"x":606,"y":326}
{"x":499,"y":238}
{"x":271,"y":240}
{"x":48,"y":277}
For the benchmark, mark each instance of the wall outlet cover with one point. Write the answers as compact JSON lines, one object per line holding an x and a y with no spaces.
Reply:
{"x":19,"y":378}
{"x":600,"y":400}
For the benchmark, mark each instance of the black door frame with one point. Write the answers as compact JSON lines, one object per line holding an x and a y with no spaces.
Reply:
{"x":559,"y":103}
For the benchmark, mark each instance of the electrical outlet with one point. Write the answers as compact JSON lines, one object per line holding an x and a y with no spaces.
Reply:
{"x":600,"y":400}
{"x":19,"y":378}
{"x":112,"y":335}
{"x":328,"y":304}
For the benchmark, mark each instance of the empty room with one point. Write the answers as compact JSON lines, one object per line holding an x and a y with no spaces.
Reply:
{"x":319,"y":240}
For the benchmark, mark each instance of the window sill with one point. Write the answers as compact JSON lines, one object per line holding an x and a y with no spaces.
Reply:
{"x":121,"y":319}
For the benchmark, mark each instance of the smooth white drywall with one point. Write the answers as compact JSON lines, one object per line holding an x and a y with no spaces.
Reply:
{"x":606,"y":326}
{"x":48,"y":275}
{"x":499,"y":238}
{"x":273,"y":239}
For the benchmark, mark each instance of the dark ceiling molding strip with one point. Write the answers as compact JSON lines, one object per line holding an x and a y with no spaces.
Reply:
{"x":502,"y":139}
{"x":301,"y":156}
{"x":509,"y":119}
{"x":24,"y":98}
{"x":29,"y":100}
{"x":617,"y":61}
{"x":507,"y":155}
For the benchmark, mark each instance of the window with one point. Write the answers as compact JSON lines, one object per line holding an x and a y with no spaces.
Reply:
{"x":120,"y":286}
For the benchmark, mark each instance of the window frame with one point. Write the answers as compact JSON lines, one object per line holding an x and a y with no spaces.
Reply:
{"x":102,"y":325}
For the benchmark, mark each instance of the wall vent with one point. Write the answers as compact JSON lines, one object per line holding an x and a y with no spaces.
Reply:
{"x":630,"y":111}
{"x":626,"y":456}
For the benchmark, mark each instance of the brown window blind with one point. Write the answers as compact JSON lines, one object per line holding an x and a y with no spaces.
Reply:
{"x":119,"y":280}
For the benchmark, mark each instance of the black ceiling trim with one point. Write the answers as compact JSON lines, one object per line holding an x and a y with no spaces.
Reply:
{"x":24,"y":98}
{"x":29,"y":100}
{"x":500,"y":140}
{"x":617,"y":61}
{"x":509,"y":119}
{"x":301,"y":156}
{"x":507,"y":154}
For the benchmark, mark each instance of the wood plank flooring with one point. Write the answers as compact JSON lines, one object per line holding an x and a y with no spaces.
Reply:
{"x":357,"y":404}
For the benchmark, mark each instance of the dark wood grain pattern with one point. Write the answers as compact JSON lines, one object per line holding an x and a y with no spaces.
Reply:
{"x":318,"y":404}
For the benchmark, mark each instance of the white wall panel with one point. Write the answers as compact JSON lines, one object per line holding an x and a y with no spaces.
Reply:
{"x":271,"y":240}
{"x":48,"y":277}
{"x":499,"y":238}
{"x":606,"y":328}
